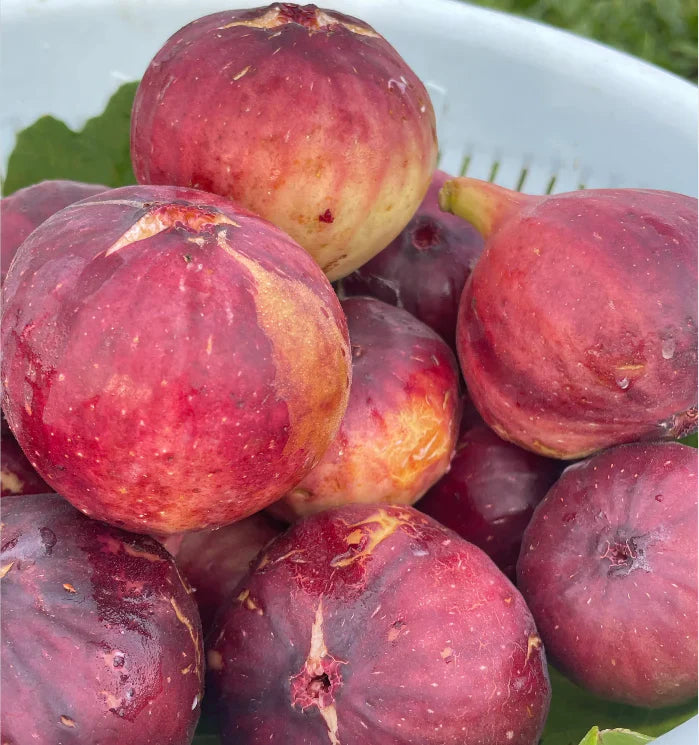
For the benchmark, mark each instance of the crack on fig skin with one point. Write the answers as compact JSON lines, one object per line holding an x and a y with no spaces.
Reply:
{"x":166,"y":216}
{"x":249,"y":603}
{"x":5,"y":569}
{"x":195,"y":642}
{"x":533,"y":643}
{"x":319,"y":679}
{"x":67,"y":721}
{"x":312,"y":18}
{"x":362,"y":543}
{"x":11,"y":482}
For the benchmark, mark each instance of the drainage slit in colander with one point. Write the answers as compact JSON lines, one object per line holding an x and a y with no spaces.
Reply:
{"x":494,"y":171}
{"x":552,"y":183}
{"x":465,"y":163}
{"x":522,"y":179}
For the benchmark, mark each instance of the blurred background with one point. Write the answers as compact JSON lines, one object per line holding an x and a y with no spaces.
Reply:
{"x":661,"y":31}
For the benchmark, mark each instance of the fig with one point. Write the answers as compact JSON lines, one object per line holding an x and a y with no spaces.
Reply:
{"x":27,"y":208}
{"x":16,"y":473}
{"x":490,"y":492}
{"x":609,"y":570}
{"x":400,"y":428}
{"x":171,"y":361}
{"x":306,"y":116}
{"x":213,"y":561}
{"x":578,"y":327}
{"x":425,"y":268}
{"x":101,"y":641}
{"x":374,"y":625}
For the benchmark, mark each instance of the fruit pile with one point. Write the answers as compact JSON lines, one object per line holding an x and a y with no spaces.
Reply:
{"x":244,"y":442}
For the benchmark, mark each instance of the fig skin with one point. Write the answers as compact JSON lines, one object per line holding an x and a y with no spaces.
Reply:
{"x":214,"y":561}
{"x":17,"y":473}
{"x":609,"y":570}
{"x":374,"y":625}
{"x":398,"y":434}
{"x":27,"y":208}
{"x":489,"y":493}
{"x":101,"y":640}
{"x":306,"y":116}
{"x":171,"y":361}
{"x":425,"y":268}
{"x":578,"y":327}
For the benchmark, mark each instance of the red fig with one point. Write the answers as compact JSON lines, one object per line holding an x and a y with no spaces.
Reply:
{"x":170,"y":361}
{"x":578,"y":327}
{"x":609,"y":570}
{"x":101,"y":641}
{"x":490,"y":492}
{"x":374,"y":625}
{"x":306,"y":116}
{"x":27,"y":208}
{"x":399,"y":431}
{"x":213,"y":561}
{"x":425,"y":268}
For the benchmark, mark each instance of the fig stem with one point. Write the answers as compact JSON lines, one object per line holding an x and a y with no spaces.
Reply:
{"x":483,"y":204}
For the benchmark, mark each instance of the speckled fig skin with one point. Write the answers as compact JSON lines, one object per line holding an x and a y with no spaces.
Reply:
{"x":213,"y":561}
{"x":101,"y":640}
{"x":27,"y":208}
{"x":306,"y":116}
{"x":374,"y":625}
{"x":171,"y":361}
{"x":609,"y":570}
{"x":16,"y":473}
{"x":425,"y":268}
{"x":578,"y":327}
{"x":400,"y":428}
{"x":490,"y":492}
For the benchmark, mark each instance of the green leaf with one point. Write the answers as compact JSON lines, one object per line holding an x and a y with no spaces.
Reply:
{"x":98,"y":154}
{"x":614,"y":737}
{"x":574,"y":711}
{"x":690,"y":440}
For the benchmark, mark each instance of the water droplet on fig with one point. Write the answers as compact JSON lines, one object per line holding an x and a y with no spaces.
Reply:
{"x":668,"y":349}
{"x":623,"y":383}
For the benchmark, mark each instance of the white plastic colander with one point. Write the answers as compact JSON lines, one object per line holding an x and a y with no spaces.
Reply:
{"x":519,"y":103}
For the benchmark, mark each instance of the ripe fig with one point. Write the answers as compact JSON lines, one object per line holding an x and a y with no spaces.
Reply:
{"x":609,"y":570}
{"x":101,"y":640}
{"x":171,"y":361}
{"x":27,"y":208}
{"x":16,"y":472}
{"x":425,"y":268}
{"x":400,"y":428}
{"x":578,"y":327}
{"x":375,"y":625}
{"x":213,"y":561}
{"x":306,"y":116}
{"x":490,"y":492}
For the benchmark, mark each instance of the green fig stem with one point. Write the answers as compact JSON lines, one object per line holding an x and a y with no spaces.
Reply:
{"x":483,"y":204}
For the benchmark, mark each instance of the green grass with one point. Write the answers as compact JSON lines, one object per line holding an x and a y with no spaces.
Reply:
{"x":661,"y":31}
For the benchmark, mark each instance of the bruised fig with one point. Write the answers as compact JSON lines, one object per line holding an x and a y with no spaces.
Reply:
{"x":399,"y":431}
{"x":27,"y":208}
{"x":375,"y":625}
{"x":213,"y":561}
{"x":578,"y":327}
{"x":609,"y":570}
{"x":490,"y":492}
{"x":101,"y":640}
{"x":306,"y":116}
{"x":171,"y":361}
{"x":425,"y":268}
{"x":17,"y":473}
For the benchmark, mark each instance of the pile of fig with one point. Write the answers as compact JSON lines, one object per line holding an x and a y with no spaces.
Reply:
{"x":389,"y":501}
